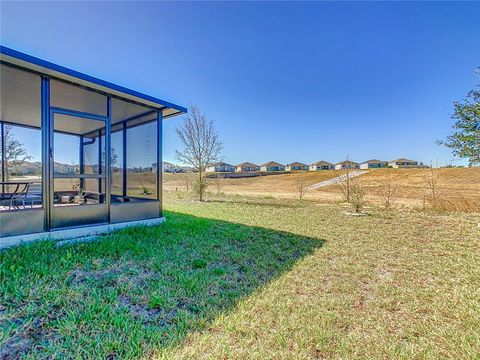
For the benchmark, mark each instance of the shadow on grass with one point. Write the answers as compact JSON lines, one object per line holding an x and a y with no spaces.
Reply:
{"x":135,"y":290}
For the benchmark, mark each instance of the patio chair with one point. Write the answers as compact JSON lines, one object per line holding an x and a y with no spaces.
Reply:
{"x":30,"y":194}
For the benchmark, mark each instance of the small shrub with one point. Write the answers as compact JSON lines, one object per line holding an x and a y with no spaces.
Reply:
{"x":218,"y":182}
{"x":200,"y":186}
{"x":144,"y":190}
{"x":357,"y":195}
{"x":431,"y":189}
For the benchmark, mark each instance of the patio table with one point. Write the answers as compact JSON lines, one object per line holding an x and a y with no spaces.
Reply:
{"x":18,"y":189}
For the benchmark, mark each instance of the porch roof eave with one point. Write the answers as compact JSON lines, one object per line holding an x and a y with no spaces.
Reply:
{"x":45,"y":67}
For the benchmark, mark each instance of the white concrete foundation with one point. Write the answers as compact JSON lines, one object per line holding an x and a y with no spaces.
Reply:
{"x":75,"y":234}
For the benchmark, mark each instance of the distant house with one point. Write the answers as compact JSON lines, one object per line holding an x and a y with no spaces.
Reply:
{"x":64,"y":169}
{"x":373,"y":164}
{"x":167,"y":167}
{"x":296,"y":166}
{"x":321,"y":165}
{"x":183,"y":169}
{"x":247,"y":167}
{"x":220,"y":167}
{"x":404,"y":163}
{"x":347,"y":164}
{"x":171,"y":168}
{"x":272,"y":166}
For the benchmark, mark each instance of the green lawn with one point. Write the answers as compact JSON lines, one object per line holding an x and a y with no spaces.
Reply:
{"x":251,"y":278}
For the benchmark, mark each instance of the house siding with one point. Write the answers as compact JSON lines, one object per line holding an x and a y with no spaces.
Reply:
{"x":320,"y":167}
{"x":220,"y":168}
{"x":347,"y":166}
{"x":405,"y":164}
{"x":272,"y":168}
{"x":373,"y":165}
{"x":296,"y":168}
{"x":247,"y":168}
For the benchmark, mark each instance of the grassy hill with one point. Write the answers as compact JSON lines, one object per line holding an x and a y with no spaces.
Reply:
{"x":459,"y":188}
{"x":280,"y":184}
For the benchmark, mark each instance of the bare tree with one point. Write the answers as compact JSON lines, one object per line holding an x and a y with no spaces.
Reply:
{"x":201,"y":146}
{"x":344,"y":182}
{"x":352,"y":191}
{"x":218,"y":182}
{"x":431,"y":188}
{"x":346,"y":179}
{"x":301,"y":185}
{"x":187,"y":181}
{"x":389,"y":191}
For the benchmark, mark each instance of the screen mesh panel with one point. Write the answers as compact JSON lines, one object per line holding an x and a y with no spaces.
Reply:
{"x":20,"y":96}
{"x":73,"y":97}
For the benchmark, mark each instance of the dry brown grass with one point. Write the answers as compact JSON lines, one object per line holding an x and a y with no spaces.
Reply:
{"x":285,"y":184}
{"x":459,"y":189}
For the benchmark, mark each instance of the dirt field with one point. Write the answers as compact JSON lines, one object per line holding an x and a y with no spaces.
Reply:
{"x":459,"y":189}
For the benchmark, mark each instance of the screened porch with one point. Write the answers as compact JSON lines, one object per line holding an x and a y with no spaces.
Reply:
{"x":74,"y":154}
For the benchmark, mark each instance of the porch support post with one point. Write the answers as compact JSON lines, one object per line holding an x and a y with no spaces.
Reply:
{"x":100,"y":158}
{"x":47,"y":176}
{"x":3,"y":155}
{"x":108,"y":170}
{"x":82,"y":185}
{"x":159,"y":160}
{"x":124,"y":160}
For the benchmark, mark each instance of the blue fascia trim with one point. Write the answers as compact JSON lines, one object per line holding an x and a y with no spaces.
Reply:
{"x":171,"y":115}
{"x":61,"y":69}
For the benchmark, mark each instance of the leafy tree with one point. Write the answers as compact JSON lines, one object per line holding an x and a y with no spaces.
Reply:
{"x":465,"y":140}
{"x":201,"y":146}
{"x":113,"y":157}
{"x":14,"y":149}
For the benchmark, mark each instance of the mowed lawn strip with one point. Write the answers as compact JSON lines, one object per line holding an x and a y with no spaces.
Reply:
{"x":252,"y":277}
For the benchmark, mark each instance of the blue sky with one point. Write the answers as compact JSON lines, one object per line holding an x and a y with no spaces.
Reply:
{"x":283,"y":81}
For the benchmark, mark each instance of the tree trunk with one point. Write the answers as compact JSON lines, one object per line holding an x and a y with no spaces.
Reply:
{"x":6,"y":175}
{"x":200,"y":188}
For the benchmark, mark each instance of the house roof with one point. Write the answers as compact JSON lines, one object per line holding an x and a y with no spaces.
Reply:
{"x":297,"y":164}
{"x":321,"y":162}
{"x":403,"y":160}
{"x":32,"y":63}
{"x":346,"y":162}
{"x":272,"y":163}
{"x":246,"y":163}
{"x":221,"y":164}
{"x":373,"y":161}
